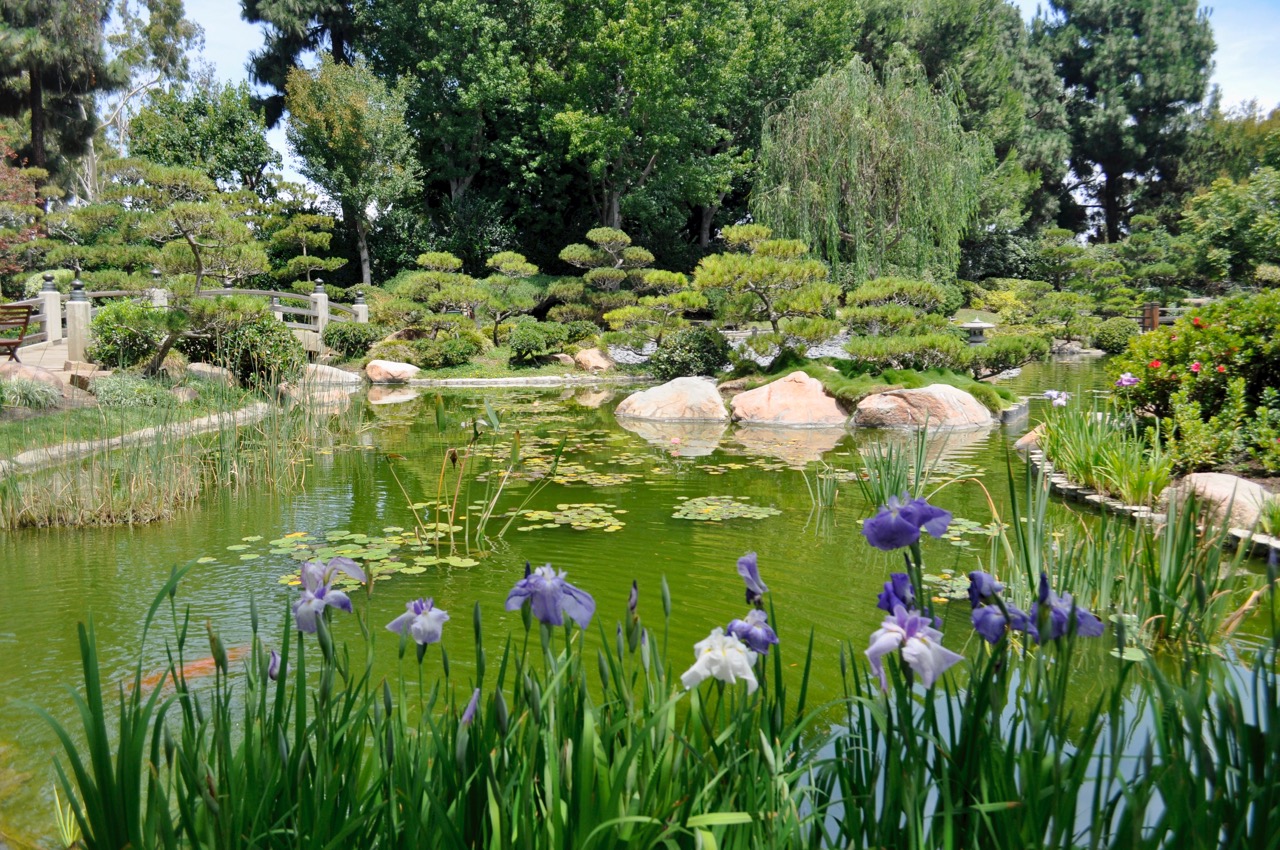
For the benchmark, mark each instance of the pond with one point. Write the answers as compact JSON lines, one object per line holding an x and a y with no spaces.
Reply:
{"x":625,"y":506}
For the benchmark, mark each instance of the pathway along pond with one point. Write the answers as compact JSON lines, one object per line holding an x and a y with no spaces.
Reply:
{"x":822,"y":574}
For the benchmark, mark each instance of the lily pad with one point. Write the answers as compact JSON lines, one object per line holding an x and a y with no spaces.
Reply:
{"x":237,"y":547}
{"x":206,"y":560}
{"x":720,"y":508}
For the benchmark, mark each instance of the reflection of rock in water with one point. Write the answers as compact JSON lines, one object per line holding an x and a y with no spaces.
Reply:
{"x":391,"y":395}
{"x":687,"y":438}
{"x":791,"y":445}
{"x":592,"y":398}
{"x":942,"y":446}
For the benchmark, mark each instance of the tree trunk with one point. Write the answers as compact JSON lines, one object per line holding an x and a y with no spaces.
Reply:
{"x":362,"y":239}
{"x":1111,"y":206}
{"x":613,"y":214}
{"x":704,"y":229}
{"x":38,"y":156}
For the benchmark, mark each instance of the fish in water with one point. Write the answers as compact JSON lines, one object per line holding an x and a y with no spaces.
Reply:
{"x":192,"y":670}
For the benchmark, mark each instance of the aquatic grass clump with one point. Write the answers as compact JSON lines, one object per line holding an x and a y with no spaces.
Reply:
{"x":1106,"y":452}
{"x":151,"y":479}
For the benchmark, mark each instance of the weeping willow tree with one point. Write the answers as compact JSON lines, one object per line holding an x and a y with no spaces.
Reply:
{"x":878,"y":176}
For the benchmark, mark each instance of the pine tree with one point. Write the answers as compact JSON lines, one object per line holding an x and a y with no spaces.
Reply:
{"x":293,"y":28}
{"x":1133,"y":71}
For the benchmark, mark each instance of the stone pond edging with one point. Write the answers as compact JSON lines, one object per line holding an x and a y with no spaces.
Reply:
{"x":537,"y":381}
{"x":1259,"y":544}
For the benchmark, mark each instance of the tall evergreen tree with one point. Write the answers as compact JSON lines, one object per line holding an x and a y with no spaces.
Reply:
{"x":1133,"y":71}
{"x":52,"y":65}
{"x":295,"y":27}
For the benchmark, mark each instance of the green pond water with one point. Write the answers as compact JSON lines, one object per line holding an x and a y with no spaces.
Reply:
{"x":625,"y":485}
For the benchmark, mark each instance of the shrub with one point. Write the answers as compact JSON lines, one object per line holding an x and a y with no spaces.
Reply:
{"x":1113,"y":335}
{"x":124,"y":334}
{"x":690,"y":352}
{"x":124,"y":390}
{"x":1002,"y":353}
{"x":929,"y":297}
{"x":394,"y":350}
{"x":530,"y":340}
{"x":24,"y":392}
{"x":580,"y":329}
{"x":1203,"y":351}
{"x":256,"y":348}
{"x":441,"y":353}
{"x":352,"y":339}
{"x":927,"y":351}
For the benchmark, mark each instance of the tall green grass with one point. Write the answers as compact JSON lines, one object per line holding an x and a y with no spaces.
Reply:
{"x":153,"y":479}
{"x":1106,"y":452}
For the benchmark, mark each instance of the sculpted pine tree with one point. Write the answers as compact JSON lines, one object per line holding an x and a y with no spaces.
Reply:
{"x":614,"y":267}
{"x":507,"y":292}
{"x":774,"y":281}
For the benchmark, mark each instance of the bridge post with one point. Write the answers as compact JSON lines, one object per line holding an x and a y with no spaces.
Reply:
{"x":79,"y":313}
{"x":51,"y":306}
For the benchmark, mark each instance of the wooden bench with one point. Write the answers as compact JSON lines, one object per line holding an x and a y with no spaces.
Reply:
{"x":14,"y":316}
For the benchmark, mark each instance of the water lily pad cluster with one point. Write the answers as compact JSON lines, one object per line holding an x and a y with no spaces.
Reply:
{"x":720,"y":508}
{"x":582,"y":517}
{"x":396,"y":551}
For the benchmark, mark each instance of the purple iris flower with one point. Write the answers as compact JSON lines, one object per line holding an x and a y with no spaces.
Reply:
{"x":633,"y":600}
{"x":273,"y":666}
{"x":750,"y":572}
{"x":990,"y":622}
{"x":1052,"y":615}
{"x":897,"y":591}
{"x":982,"y":586}
{"x":422,"y":620}
{"x":919,"y":643}
{"x":899,"y":522}
{"x":318,"y":592}
{"x":470,"y":713}
{"x":1128,"y":379}
{"x":754,"y":631}
{"x":551,"y":597}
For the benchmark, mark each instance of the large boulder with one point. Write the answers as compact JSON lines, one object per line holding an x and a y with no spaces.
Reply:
{"x":1216,"y":491}
{"x":317,"y":374}
{"x":11,"y":369}
{"x":1030,"y":440}
{"x":796,"y":401}
{"x":390,"y":372}
{"x":593,"y":360}
{"x":209,"y":372}
{"x":682,"y":398}
{"x":936,"y":406}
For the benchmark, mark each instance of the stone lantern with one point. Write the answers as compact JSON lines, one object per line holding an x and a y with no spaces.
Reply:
{"x":977,"y":331}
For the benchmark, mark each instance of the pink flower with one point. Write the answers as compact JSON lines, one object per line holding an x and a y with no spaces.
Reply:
{"x":675,"y":441}
{"x":1196,"y":367}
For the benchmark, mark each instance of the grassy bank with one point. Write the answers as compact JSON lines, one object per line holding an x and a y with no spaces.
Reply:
{"x":153,"y":479}
{"x":21,"y":430}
